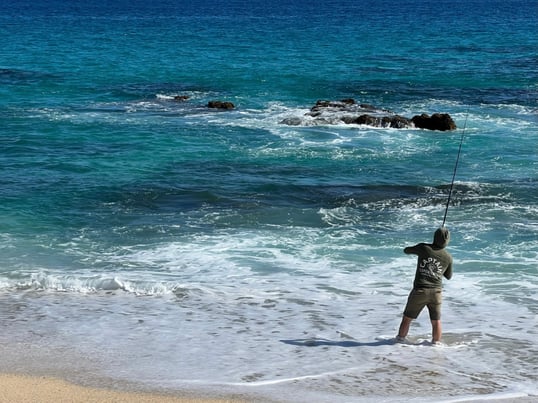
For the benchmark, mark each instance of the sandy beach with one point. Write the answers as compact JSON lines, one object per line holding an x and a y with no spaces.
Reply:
{"x":33,"y":389}
{"x":41,"y":389}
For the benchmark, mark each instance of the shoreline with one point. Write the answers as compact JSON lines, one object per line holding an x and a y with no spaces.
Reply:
{"x":23,"y":388}
{"x":17,"y":388}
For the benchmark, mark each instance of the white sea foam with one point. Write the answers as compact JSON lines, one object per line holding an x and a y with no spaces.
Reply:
{"x":262,"y":312}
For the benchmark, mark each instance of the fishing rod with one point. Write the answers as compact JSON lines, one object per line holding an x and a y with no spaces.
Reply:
{"x":455,"y":169}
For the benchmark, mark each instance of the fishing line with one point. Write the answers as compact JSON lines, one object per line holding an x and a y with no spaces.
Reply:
{"x":455,"y":169}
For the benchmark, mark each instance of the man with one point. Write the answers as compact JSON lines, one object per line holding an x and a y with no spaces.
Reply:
{"x":433,"y":263}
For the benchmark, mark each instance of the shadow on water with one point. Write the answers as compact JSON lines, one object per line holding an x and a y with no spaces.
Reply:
{"x":315,"y":342}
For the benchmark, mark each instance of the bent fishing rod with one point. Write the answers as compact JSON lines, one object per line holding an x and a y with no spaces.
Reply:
{"x":455,"y":169}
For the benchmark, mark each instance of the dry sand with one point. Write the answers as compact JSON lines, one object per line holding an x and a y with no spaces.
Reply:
{"x":28,"y":389}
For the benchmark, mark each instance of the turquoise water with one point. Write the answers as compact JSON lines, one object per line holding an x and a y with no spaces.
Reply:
{"x":181,"y":238}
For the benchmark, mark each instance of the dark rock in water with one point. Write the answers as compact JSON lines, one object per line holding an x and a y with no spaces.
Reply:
{"x":398,"y":122}
{"x":333,"y":104}
{"x":438,"y":121}
{"x":348,"y":104}
{"x":394,"y":121}
{"x":348,"y":111}
{"x":180,"y":98}
{"x":368,"y":120}
{"x":220,"y":105}
{"x":294,"y":121}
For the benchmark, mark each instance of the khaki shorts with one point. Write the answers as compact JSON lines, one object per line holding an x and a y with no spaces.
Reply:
{"x":421,"y":297}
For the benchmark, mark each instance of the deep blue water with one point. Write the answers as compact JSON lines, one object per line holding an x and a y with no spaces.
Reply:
{"x":111,"y":189}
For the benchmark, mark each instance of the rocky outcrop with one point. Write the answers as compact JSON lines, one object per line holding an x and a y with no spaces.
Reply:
{"x":348,"y":111}
{"x":220,"y":105}
{"x":395,"y":121}
{"x":438,"y":121}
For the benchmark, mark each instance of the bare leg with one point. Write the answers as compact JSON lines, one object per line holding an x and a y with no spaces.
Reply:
{"x":404,"y":326}
{"x":437,"y":331}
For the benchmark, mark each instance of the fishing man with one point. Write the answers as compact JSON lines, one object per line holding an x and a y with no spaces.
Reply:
{"x":433,"y":263}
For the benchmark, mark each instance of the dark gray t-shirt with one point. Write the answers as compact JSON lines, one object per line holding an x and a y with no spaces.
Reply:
{"x":432,"y":264}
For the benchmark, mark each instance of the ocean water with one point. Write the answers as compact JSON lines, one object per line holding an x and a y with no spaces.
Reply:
{"x":154,"y":243}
